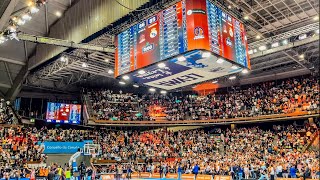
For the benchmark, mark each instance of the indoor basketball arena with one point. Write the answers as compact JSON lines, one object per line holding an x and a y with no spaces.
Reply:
{"x":159,"y":89}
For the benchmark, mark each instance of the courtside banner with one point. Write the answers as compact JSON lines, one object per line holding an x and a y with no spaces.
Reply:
{"x":63,"y":147}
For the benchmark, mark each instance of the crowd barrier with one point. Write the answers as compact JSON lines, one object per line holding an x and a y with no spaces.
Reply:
{"x":110,"y":176}
{"x":295,"y":115}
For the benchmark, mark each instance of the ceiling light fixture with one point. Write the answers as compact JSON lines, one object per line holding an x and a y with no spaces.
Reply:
{"x":246,"y":17}
{"x":122,"y":83}
{"x":161,"y":65}
{"x":110,"y":71}
{"x":34,"y":9}
{"x":136,"y":85}
{"x":125,"y":77}
{"x":12,"y":28}
{"x":152,"y":89}
{"x":220,"y":60}
{"x":181,"y":58}
{"x":63,"y":59}
{"x":262,"y":48}
{"x":21,"y":22}
{"x":84,"y":65}
{"x":301,"y":56}
{"x":232,"y":77}
{"x":250,"y":52}
{"x":285,"y":42}
{"x":274,"y":45}
{"x":316,"y":18}
{"x":245,"y":71}
{"x":234,"y":67}
{"x":58,"y":14}
{"x":26,"y":17}
{"x":215,"y":82}
{"x":258,"y":37}
{"x":2,"y":39}
{"x":206,"y":54}
{"x":141,"y":72}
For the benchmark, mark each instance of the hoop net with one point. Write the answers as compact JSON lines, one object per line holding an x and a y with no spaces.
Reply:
{"x":91,"y":150}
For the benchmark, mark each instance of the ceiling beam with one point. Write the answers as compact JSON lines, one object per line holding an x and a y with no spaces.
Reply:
{"x":12,"y":61}
{"x":5,"y":85}
{"x":285,"y":47}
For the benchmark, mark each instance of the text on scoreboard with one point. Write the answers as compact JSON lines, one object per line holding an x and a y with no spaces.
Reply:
{"x":188,"y":25}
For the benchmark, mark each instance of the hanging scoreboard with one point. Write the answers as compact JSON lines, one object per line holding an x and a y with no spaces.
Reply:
{"x":184,"y":27}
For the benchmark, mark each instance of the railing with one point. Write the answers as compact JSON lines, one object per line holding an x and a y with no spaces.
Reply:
{"x":290,"y":116}
{"x":87,"y":109}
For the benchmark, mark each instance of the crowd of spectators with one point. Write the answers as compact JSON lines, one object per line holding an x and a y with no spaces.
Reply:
{"x":244,"y":152}
{"x":276,"y":97}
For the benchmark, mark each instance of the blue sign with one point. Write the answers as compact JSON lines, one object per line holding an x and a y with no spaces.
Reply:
{"x":63,"y":147}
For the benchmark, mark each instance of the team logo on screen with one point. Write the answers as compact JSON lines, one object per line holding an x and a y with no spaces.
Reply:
{"x":196,"y":11}
{"x":230,"y":32}
{"x":229,"y":42}
{"x":153,"y":33}
{"x":198,"y":33}
{"x":147,"y":48}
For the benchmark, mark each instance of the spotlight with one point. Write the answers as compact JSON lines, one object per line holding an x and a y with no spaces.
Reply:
{"x":245,"y":71}
{"x":246,"y":17}
{"x":255,"y":51}
{"x":141,"y":72}
{"x":193,"y":87}
{"x":136,"y":85}
{"x":12,"y":28}
{"x":161,"y":65}
{"x":84,"y":65}
{"x":274,"y":45}
{"x":316,"y":18}
{"x":262,"y":48}
{"x":2,"y":39}
{"x":229,"y":6}
{"x":258,"y":37}
{"x":234,"y":67}
{"x":301,"y":56}
{"x":206,"y":54}
{"x":34,"y":9}
{"x":302,"y":36}
{"x":110,"y":71}
{"x":250,"y":52}
{"x":152,"y":89}
{"x":181,"y":58}
{"x":122,"y":83}
{"x":26,"y":17}
{"x":58,"y":14}
{"x":317,"y":31}
{"x":220,"y":60}
{"x":21,"y":22}
{"x":125,"y":77}
{"x":285,"y":42}
{"x":215,"y":82}
{"x":232,"y":77}
{"x":63,"y":59}
{"x":163,"y":92}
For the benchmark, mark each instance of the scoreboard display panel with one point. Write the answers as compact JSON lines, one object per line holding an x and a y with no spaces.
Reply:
{"x":186,"y":26}
{"x":63,"y":113}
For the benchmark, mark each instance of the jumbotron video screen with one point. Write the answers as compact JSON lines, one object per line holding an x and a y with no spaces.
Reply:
{"x":63,"y":113}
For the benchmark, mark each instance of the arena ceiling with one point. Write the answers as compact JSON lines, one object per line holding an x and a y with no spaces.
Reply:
{"x":283,"y":38}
